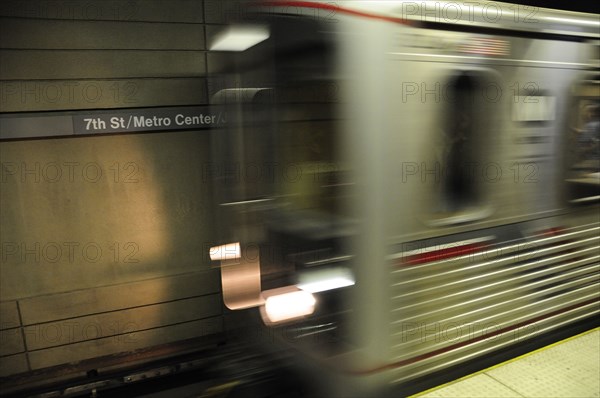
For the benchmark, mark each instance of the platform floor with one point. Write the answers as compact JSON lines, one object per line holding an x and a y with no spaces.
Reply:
{"x":569,"y":369}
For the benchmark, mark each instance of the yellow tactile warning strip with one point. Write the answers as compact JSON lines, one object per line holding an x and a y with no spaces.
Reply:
{"x":567,"y":368}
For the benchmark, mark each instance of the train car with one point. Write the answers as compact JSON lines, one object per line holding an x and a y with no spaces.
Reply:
{"x":405,"y":187}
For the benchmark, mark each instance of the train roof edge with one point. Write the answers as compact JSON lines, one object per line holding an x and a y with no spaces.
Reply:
{"x":476,"y":14}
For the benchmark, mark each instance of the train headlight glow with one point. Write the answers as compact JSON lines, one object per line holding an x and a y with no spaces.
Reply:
{"x":286,"y":304}
{"x":240,"y":38}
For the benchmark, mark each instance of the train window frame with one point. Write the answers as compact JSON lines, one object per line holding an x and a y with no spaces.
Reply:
{"x":477,"y":207}
{"x":578,"y":179}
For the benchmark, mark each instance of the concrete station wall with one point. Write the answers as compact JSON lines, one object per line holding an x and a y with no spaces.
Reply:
{"x":104,"y":238}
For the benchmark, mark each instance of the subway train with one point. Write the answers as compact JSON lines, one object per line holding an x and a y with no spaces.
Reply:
{"x":407,"y":187}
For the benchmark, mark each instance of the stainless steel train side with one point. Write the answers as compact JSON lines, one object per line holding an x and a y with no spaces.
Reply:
{"x":422,"y":186}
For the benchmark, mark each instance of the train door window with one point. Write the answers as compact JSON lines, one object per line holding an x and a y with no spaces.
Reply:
{"x":465,"y":127}
{"x":311,"y":176}
{"x":583,"y":144}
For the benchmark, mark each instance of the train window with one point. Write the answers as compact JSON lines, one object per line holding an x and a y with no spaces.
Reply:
{"x":311,"y":176}
{"x":461,"y":136}
{"x":583,"y":144}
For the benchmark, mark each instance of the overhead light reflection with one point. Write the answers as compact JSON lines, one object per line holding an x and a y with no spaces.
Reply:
{"x":574,"y":21}
{"x":327,"y":279}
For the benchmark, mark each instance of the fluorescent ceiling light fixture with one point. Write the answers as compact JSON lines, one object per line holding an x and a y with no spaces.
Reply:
{"x":240,"y":38}
{"x":286,"y":304}
{"x":327,"y":279}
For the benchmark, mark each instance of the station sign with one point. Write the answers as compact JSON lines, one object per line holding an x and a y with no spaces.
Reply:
{"x":54,"y":124}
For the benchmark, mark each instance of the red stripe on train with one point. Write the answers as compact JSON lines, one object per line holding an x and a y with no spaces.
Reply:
{"x":443,"y":254}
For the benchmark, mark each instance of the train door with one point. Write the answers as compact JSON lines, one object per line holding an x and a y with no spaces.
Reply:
{"x":284,"y":178}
